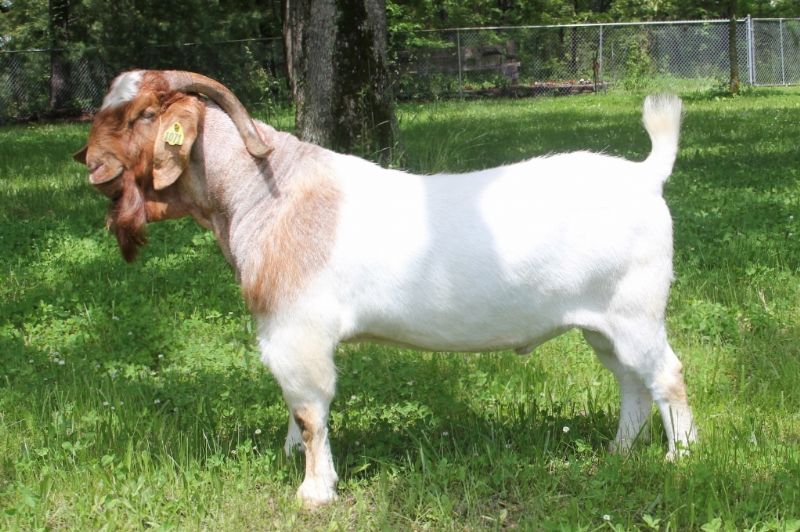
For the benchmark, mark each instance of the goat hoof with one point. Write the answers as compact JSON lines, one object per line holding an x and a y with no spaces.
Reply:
{"x":619,"y":447}
{"x":676,"y":454}
{"x":313,"y":495}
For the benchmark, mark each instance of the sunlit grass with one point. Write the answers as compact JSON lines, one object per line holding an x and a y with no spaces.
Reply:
{"x":132,"y":396}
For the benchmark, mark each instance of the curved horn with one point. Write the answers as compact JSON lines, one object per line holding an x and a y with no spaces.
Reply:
{"x":191,"y":82}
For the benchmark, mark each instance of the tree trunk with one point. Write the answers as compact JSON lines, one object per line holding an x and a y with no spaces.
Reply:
{"x":58,"y":15}
{"x":336,"y":56}
{"x":733,"y":51}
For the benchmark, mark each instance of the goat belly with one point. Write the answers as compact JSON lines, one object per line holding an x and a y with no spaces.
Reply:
{"x":503,"y":258}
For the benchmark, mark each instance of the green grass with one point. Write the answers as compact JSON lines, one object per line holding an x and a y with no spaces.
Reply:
{"x":131,"y":396}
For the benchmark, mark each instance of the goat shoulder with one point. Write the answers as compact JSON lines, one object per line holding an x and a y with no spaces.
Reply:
{"x":280,"y":212}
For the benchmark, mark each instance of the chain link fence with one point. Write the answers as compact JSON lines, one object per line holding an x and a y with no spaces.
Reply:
{"x":515,"y":61}
{"x":583,"y":57}
{"x":252,"y":68}
{"x":782,"y":38}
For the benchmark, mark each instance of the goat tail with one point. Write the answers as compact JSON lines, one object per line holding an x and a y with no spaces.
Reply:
{"x":662,"y":120}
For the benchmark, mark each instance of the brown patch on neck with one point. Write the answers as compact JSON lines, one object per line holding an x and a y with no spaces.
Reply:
{"x":295,"y":246}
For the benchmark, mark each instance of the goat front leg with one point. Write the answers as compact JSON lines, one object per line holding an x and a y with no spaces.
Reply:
{"x":294,"y":440}
{"x":319,"y":485}
{"x":302,"y":363}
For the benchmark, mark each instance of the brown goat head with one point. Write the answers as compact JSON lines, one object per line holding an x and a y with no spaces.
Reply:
{"x":140,"y":143}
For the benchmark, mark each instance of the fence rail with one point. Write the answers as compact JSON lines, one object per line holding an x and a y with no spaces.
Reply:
{"x":436,"y":63}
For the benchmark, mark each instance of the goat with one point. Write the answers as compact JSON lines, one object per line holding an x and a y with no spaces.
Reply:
{"x":330,"y":248}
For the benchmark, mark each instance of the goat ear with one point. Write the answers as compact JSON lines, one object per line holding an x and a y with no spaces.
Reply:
{"x":80,"y":155}
{"x":177,"y":132}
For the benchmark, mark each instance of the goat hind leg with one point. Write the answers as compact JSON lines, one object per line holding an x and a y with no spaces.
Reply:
{"x":635,"y":400}
{"x":669,"y":392}
{"x":642,"y":346}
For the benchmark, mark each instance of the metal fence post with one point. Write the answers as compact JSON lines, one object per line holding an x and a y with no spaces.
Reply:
{"x":458,"y":49}
{"x":751,"y":70}
{"x":783,"y":65}
{"x":600,"y":59}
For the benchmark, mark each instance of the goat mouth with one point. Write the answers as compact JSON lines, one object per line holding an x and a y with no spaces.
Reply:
{"x":111,"y":188}
{"x":101,"y":173}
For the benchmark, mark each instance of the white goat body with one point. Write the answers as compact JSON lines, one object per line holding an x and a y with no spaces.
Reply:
{"x":331,"y":248}
{"x":495,"y":259}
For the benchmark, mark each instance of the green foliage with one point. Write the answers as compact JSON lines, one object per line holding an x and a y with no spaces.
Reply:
{"x":126,"y":27}
{"x":221,"y":39}
{"x":132,"y":396}
{"x":129,"y":26}
{"x":408,"y":15}
{"x":638,"y":69}
{"x":426,"y":88}
{"x":123,"y":30}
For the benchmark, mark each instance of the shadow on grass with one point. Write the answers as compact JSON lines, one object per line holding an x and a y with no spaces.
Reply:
{"x":405,"y":406}
{"x":489,"y":140}
{"x":745,"y":92}
{"x":128,"y":334}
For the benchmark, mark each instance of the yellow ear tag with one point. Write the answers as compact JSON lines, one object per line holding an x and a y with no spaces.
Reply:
{"x":174,"y":135}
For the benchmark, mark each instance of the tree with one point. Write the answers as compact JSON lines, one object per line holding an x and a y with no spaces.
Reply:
{"x":336,"y":55}
{"x":719,"y":9}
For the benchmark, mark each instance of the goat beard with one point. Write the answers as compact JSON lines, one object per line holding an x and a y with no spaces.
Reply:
{"x":127,"y":217}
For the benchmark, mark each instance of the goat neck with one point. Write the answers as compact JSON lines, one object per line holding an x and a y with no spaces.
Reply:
{"x":275,"y":217}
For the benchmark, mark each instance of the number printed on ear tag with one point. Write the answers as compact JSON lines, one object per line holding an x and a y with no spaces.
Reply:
{"x":174,"y":135}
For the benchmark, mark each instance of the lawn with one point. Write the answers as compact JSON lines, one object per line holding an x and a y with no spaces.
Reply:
{"x":132,"y":396}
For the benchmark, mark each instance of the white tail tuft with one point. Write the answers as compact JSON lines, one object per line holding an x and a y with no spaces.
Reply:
{"x":662,"y":120}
